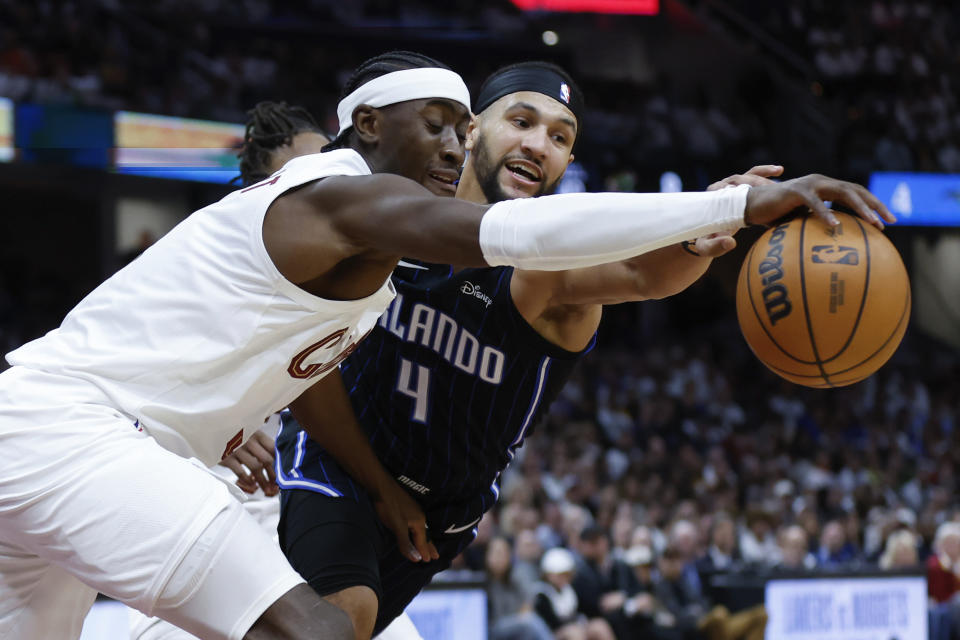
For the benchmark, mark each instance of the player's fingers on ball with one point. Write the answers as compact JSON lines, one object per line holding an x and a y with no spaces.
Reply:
{"x":815,"y":202}
{"x":853,"y":198}
{"x":876,"y":204}
{"x":846,"y":192}
{"x":434,"y":554}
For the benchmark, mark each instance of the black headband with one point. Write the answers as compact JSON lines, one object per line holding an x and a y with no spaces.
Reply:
{"x":539,"y":79}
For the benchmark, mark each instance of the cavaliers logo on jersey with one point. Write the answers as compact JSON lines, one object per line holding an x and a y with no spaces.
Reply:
{"x":298,"y":369}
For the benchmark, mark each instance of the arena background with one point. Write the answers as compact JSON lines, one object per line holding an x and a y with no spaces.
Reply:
{"x":671,"y":421}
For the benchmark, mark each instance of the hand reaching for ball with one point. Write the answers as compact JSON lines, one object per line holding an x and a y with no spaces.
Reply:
{"x":768,"y":202}
{"x":716,"y":244}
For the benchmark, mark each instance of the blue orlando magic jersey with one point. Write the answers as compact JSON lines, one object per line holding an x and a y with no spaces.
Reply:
{"x":447,"y":387}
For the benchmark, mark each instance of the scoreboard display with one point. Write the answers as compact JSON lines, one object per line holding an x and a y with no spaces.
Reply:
{"x":621,"y":7}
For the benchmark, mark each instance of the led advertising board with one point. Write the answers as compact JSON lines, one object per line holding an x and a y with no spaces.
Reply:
{"x":172,"y":147}
{"x":921,"y":199}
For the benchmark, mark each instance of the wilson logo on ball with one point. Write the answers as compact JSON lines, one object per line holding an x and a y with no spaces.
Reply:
{"x":830,"y":254}
{"x":776,"y":298}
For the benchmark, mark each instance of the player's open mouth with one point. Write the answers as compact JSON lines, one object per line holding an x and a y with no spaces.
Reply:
{"x":525,"y":171}
{"x":446,"y":178}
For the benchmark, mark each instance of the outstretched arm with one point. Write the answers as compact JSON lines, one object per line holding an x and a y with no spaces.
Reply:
{"x":653,"y":275}
{"x":395,"y":216}
{"x":565,"y":306}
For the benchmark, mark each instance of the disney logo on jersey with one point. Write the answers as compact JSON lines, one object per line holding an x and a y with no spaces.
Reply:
{"x":301,"y":370}
{"x":471,"y":289}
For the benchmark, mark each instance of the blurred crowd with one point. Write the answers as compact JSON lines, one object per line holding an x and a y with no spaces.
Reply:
{"x":214,"y":59}
{"x":894,"y":64}
{"x":891,"y":64}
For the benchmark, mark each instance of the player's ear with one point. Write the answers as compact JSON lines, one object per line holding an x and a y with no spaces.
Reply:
{"x":472,"y":129}
{"x":570,"y":160}
{"x":366,"y":124}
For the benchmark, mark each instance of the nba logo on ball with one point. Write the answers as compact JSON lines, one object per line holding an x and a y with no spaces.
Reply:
{"x":829,"y":254}
{"x":565,"y":92}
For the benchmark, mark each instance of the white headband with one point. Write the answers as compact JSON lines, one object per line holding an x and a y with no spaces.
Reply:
{"x":400,"y":86}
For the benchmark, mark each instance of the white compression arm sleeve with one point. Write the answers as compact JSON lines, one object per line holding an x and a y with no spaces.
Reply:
{"x":569,"y":231}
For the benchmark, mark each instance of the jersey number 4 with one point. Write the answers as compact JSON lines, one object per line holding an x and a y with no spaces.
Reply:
{"x":416,"y":385}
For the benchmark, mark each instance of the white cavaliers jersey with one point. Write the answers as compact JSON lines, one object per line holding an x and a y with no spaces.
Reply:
{"x":201,"y":338}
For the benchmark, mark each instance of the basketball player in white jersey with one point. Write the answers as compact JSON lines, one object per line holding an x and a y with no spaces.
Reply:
{"x":275,"y":134}
{"x":241,"y":310}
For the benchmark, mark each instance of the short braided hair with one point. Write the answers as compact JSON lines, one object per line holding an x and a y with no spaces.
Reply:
{"x":374,"y":68}
{"x":270,"y":125}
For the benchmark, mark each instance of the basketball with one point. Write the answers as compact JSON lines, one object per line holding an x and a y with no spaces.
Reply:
{"x":820,"y":307}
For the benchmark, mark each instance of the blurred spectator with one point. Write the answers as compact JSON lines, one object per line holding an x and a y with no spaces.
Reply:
{"x":646,"y":616}
{"x":682,"y":599}
{"x":722,"y":554}
{"x":527,"y":552}
{"x":900,"y":551}
{"x":509,"y":605}
{"x":556,"y":602}
{"x":795,"y":550}
{"x":602,"y":582}
{"x":943,"y":567}
{"x":692,"y":610}
{"x":757,"y":543}
{"x":835,"y":551}
{"x":684,"y":539}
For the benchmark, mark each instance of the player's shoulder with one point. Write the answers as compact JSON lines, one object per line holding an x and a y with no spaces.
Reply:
{"x":337,"y":162}
{"x":345,"y":190}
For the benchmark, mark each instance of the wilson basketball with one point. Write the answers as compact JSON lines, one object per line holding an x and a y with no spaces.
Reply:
{"x":820,"y":307}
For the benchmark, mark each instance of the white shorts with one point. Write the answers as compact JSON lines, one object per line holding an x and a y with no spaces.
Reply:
{"x":263,"y":508}
{"x":89,"y":503}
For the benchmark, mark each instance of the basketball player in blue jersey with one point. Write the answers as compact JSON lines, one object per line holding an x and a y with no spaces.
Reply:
{"x":460,"y":367}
